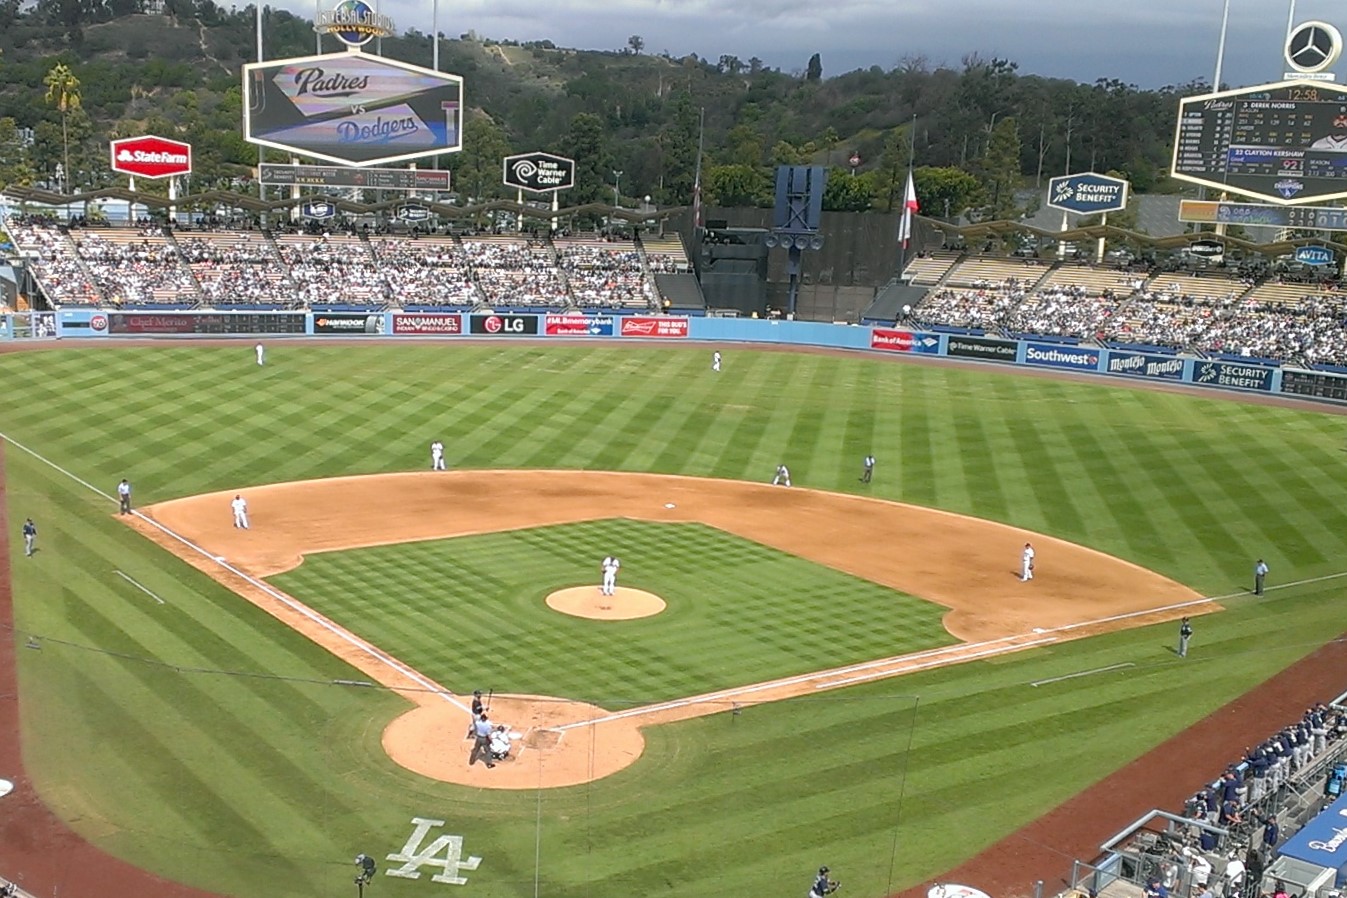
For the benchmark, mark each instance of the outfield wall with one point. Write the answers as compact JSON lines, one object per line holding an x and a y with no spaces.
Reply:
{"x":1154,"y":365}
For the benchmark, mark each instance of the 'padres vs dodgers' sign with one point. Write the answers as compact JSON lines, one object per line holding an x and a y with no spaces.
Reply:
{"x":1087,"y":193}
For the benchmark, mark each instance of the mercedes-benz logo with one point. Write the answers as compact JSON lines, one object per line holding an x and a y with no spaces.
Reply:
{"x":1313,"y":47}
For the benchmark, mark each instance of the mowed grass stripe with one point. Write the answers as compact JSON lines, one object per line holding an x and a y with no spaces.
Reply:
{"x":799,"y":616}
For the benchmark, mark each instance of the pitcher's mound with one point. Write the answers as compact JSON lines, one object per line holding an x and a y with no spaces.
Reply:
{"x":587,"y":601}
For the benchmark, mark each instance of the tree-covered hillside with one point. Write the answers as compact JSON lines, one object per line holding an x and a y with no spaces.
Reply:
{"x":76,"y":73}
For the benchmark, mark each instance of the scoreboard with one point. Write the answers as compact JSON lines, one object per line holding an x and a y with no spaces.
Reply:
{"x":1309,"y":218}
{"x":1315,"y":383}
{"x":1285,"y":143}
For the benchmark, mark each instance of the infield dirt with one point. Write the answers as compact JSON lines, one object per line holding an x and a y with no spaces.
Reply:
{"x":967,"y":565}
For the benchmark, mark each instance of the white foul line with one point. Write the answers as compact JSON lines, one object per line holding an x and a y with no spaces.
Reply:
{"x":1082,"y":673}
{"x":138,"y":586}
{"x":383,"y":657}
{"x":298,"y":607}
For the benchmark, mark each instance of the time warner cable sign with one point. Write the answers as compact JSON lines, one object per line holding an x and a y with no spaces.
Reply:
{"x":352,"y":108}
{"x":1087,"y":193}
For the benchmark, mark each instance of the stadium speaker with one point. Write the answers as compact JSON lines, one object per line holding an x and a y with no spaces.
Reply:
{"x":770,"y":241}
{"x":816,"y":242}
{"x":801,"y":242}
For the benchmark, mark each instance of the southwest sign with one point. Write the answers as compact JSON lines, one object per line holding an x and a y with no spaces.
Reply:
{"x":539,"y":172}
{"x":1087,"y":193}
{"x":352,"y":108}
{"x":151,"y":157}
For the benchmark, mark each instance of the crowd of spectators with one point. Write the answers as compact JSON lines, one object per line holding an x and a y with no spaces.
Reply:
{"x":327,"y":271}
{"x":425,"y":272}
{"x":605,"y":275}
{"x":1064,"y":310}
{"x":64,"y":279}
{"x":236,"y":269}
{"x":983,"y":307}
{"x":144,"y":271}
{"x":517,"y":273}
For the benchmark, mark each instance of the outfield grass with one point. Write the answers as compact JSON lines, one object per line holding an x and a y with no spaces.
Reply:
{"x":202,"y":740}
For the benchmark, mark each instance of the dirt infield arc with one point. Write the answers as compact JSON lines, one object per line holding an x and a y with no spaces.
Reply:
{"x":967,"y":565}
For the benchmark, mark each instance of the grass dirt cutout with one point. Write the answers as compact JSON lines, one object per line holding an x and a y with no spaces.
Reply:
{"x":968,"y":565}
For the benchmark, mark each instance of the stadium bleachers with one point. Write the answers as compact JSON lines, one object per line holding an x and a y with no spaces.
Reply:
{"x":137,"y":268}
{"x":425,"y":271}
{"x":605,"y":274}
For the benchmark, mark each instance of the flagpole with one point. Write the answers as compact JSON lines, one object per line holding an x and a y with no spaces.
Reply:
{"x":697,"y":178}
{"x":907,"y":213}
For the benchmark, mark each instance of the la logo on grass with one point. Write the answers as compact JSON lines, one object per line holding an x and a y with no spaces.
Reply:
{"x":445,"y":854}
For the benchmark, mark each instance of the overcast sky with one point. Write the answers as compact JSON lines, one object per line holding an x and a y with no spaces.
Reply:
{"x":1150,"y":43}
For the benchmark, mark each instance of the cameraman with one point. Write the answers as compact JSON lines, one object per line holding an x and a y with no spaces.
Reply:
{"x":823,"y":885}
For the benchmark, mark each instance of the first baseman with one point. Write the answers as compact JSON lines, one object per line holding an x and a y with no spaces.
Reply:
{"x":610,"y":566}
{"x":240,"y":507}
{"x":1027,"y":562}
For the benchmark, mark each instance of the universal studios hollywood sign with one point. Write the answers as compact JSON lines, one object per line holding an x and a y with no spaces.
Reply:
{"x":354,"y":23}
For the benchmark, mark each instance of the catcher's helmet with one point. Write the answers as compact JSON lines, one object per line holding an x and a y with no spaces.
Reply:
{"x":822,"y":871}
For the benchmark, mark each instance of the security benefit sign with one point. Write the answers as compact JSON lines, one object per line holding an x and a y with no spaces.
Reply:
{"x":352,"y":108}
{"x":1233,"y":374}
{"x":1053,"y":355}
{"x":1087,"y":193}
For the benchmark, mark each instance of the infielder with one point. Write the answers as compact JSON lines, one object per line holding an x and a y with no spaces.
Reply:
{"x":715,"y":360}
{"x":240,"y":507}
{"x":29,"y":536}
{"x":782,"y":475}
{"x":868,"y":468}
{"x":610,"y":566}
{"x":124,"y":496}
{"x":261,"y":354}
{"x":1027,"y":562}
{"x":437,"y":456}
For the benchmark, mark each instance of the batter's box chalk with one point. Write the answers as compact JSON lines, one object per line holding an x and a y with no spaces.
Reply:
{"x":542,"y":739}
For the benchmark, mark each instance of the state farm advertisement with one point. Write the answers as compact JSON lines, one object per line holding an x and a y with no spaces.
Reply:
{"x":654,"y":327}
{"x":151,"y":157}
{"x":892,"y":340}
{"x":436,"y":324}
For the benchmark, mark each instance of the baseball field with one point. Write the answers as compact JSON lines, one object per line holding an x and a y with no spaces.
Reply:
{"x":839,"y":672}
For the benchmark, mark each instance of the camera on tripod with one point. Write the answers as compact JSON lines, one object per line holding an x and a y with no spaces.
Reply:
{"x":367,"y":869}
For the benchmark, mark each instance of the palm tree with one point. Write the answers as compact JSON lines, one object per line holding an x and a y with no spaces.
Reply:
{"x":63,"y":89}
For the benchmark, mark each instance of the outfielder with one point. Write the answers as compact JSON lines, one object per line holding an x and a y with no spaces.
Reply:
{"x":610,"y":566}
{"x":437,"y":456}
{"x":823,"y":884}
{"x":782,"y":475}
{"x":240,"y":507}
{"x":261,"y":354}
{"x":715,"y":360}
{"x":1027,"y":562}
{"x":29,"y":537}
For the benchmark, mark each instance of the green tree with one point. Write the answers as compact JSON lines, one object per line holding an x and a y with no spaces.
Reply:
{"x":845,"y":192}
{"x":15,"y":166}
{"x":814,"y":71}
{"x":890,"y":178}
{"x":636,"y":43}
{"x":477,"y":170}
{"x":1000,"y":170}
{"x":678,"y":151}
{"x":743,"y":146}
{"x":736,"y":185}
{"x":586,"y":143}
{"x":944,"y":192}
{"x":63,"y":91}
